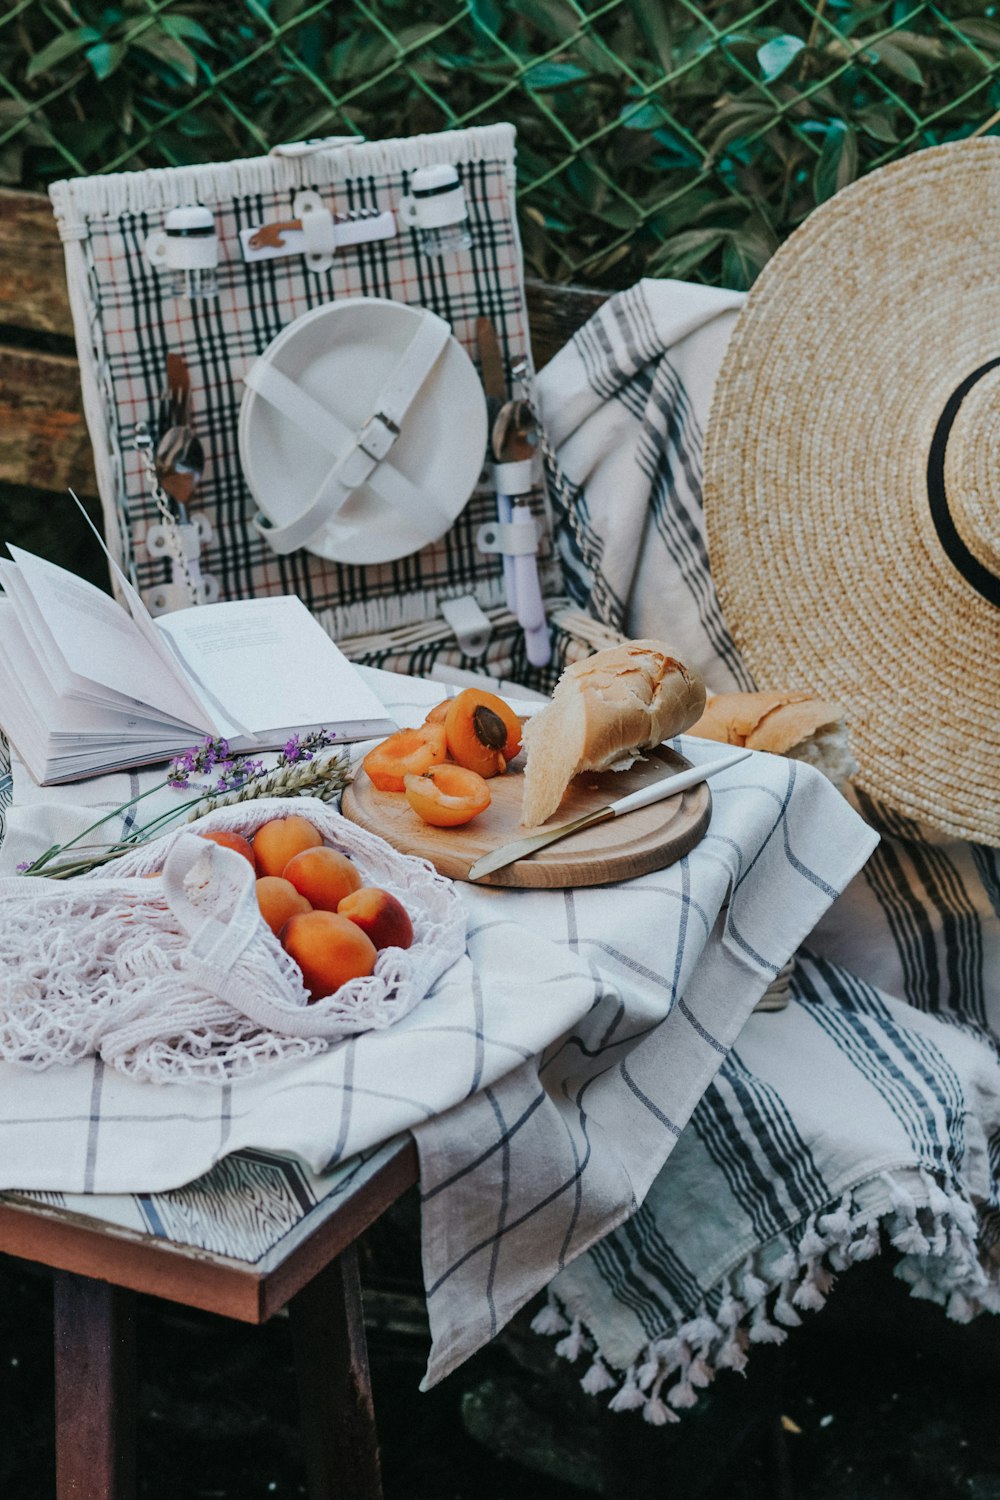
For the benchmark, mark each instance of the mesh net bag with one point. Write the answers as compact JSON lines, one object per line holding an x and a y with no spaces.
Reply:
{"x":180,"y":978}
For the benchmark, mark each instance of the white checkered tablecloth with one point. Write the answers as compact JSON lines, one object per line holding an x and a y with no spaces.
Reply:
{"x":546,"y":1078}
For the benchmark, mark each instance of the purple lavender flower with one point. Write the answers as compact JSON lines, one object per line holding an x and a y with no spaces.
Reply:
{"x":298,"y":748}
{"x":179,"y":774}
{"x":24,"y":865}
{"x":237,"y":772}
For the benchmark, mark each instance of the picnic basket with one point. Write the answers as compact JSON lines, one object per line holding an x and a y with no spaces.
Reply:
{"x":441,"y":607}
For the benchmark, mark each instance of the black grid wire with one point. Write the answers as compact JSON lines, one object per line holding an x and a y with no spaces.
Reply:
{"x":655,"y":137}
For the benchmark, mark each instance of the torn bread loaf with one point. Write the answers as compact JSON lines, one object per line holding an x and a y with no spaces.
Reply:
{"x":795,"y":724}
{"x":620,"y":701}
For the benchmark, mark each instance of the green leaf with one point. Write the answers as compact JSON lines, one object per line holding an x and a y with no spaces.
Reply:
{"x":778,"y":54}
{"x":181,"y":26}
{"x":744,"y":256}
{"x":652,"y":19}
{"x":486,"y":14}
{"x":105,"y":57}
{"x":739,"y":118}
{"x":986,"y":32}
{"x":648,"y":116}
{"x":681,"y":254}
{"x":898,"y":61}
{"x":879,"y":124}
{"x":59,"y":48}
{"x":549,"y":75}
{"x":838,"y":161}
{"x":167,"y":49}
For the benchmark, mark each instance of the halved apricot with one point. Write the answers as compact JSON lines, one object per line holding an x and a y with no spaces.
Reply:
{"x":447,"y":795}
{"x":482,"y":733}
{"x":408,"y":751}
{"x":437,"y":713}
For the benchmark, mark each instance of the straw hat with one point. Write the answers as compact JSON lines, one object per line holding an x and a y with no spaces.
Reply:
{"x":852,"y":478}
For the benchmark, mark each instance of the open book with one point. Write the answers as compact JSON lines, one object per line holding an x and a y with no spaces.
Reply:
{"x":88,"y":687}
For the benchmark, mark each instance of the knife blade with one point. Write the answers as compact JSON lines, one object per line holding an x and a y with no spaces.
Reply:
{"x":668,"y":786}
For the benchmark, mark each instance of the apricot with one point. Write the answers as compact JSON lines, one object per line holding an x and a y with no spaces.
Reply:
{"x":380,"y":914}
{"x":324,"y":876}
{"x":232,"y":841}
{"x":482,"y":732}
{"x":447,"y":796}
{"x":328,"y":949}
{"x":406,"y":751}
{"x":439,"y":712}
{"x":278,"y":900}
{"x":276,"y":842}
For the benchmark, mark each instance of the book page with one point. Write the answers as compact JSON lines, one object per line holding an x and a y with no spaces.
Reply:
{"x":97,"y":641}
{"x":267,"y":664}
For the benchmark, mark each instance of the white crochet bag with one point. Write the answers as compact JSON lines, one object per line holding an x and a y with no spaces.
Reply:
{"x":180,"y":977}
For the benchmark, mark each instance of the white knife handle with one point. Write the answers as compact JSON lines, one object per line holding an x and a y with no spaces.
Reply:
{"x":673,"y":784}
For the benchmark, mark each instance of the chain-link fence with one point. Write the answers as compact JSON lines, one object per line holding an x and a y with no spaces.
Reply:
{"x":655,"y":137}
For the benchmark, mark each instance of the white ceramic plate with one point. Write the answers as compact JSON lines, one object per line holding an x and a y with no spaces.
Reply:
{"x":341,"y":355}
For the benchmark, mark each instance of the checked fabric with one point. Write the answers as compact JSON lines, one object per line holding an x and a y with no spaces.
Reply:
{"x":865,"y":1117}
{"x":547,"y":1076}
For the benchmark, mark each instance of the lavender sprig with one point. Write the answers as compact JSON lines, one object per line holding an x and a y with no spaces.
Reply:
{"x":238,"y":778}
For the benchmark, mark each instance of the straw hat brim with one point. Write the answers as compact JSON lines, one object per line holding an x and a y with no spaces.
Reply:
{"x":829,"y":566}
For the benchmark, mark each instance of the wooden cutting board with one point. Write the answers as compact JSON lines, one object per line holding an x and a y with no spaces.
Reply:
{"x":648,"y":839}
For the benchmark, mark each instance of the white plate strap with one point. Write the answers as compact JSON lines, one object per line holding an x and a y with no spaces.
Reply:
{"x":360,"y":458}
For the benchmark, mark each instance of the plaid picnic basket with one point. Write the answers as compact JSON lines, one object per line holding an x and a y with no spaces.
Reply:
{"x":126,"y":322}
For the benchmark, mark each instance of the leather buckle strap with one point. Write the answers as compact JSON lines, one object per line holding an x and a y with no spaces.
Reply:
{"x":377,"y":436}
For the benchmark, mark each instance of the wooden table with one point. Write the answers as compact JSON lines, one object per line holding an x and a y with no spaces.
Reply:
{"x":100,"y":1263}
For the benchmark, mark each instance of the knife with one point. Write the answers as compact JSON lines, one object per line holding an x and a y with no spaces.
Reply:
{"x":668,"y":786}
{"x":491,"y":370}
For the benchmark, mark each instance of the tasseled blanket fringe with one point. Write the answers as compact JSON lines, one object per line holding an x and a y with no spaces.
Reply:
{"x":929,"y":1222}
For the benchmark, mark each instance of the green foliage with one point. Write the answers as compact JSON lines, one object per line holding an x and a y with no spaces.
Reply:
{"x":656,"y":137}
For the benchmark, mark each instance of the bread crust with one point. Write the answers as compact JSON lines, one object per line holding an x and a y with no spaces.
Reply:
{"x":624,"y":699}
{"x":774,"y":721}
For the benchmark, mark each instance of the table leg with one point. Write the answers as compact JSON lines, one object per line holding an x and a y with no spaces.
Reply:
{"x":334,"y":1388}
{"x":94,"y":1389}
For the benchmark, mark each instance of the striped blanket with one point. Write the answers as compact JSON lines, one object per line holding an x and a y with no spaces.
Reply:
{"x":864,"y":1118}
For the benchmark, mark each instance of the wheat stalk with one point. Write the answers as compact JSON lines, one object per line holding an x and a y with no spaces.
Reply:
{"x":320,"y":779}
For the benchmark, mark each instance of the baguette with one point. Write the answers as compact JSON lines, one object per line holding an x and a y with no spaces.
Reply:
{"x":616,"y":703}
{"x":795,"y":724}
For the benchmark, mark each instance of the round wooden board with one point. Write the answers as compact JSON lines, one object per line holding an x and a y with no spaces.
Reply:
{"x":648,"y":839}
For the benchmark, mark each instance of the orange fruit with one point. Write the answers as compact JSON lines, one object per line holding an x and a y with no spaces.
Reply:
{"x":278,"y":900}
{"x":446,"y":796}
{"x":276,"y":842}
{"x":406,"y":750}
{"x":380,"y":914}
{"x":328,"y":949}
{"x":482,"y":733}
{"x":232,"y":841}
{"x":324,"y":876}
